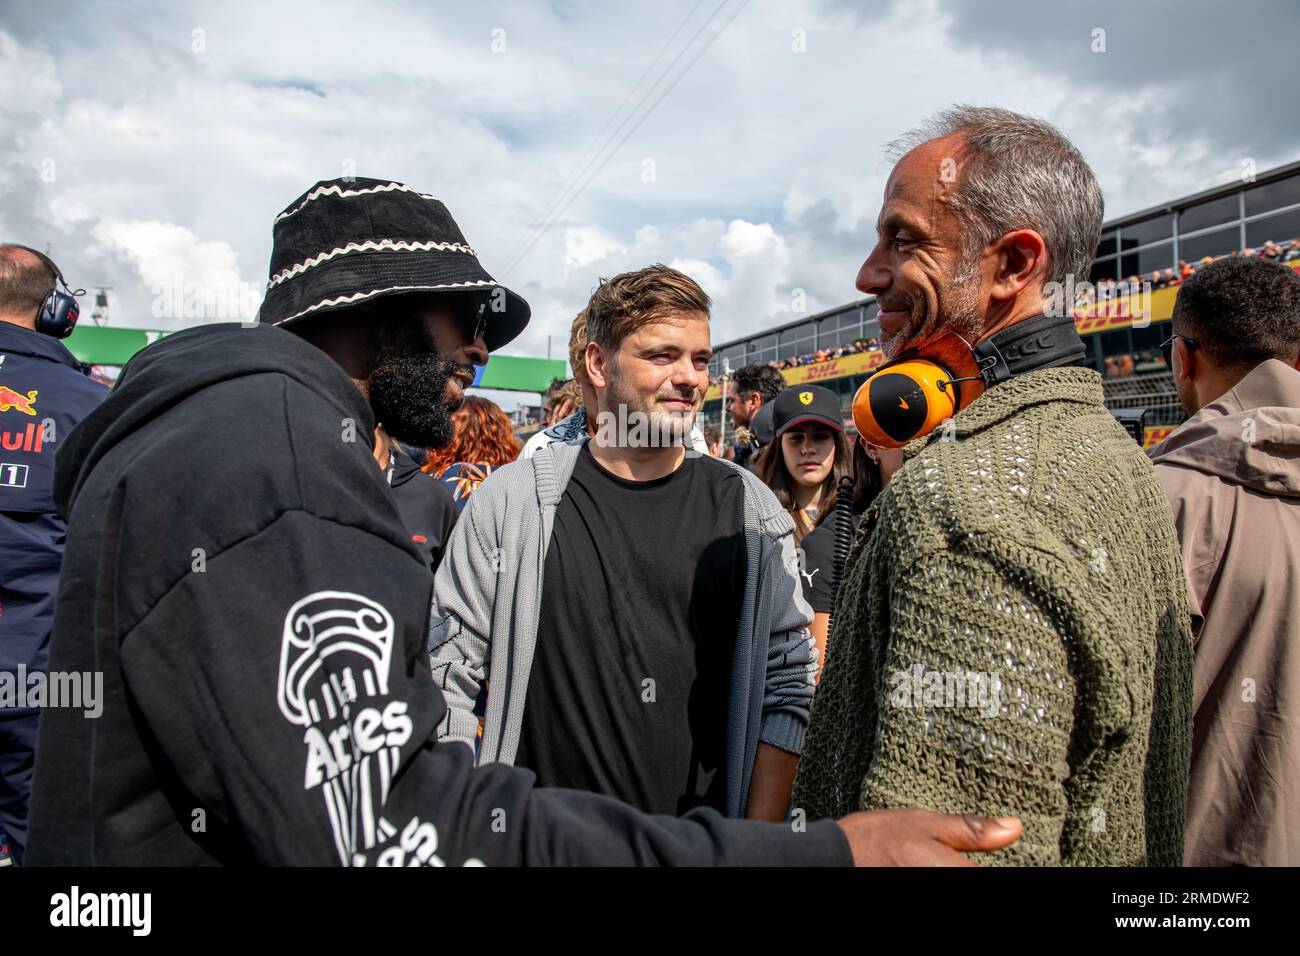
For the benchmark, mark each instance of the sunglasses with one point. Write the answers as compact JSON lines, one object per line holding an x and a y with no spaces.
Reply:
{"x":471,"y":321}
{"x":1167,"y":348}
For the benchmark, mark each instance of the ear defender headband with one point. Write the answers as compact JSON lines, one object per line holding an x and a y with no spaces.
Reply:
{"x":59,"y":312}
{"x":911,"y":396}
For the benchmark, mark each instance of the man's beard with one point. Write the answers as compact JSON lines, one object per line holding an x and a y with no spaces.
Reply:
{"x":666,"y":427}
{"x":408,"y":391}
{"x":957,"y":311}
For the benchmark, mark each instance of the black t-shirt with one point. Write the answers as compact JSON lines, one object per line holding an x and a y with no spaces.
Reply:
{"x":641,"y":600}
{"x":817,"y":565}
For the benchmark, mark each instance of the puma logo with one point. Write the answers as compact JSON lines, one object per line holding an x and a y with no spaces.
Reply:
{"x":810,"y":576}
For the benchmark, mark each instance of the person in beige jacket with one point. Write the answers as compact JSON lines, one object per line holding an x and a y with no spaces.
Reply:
{"x":1232,"y":473}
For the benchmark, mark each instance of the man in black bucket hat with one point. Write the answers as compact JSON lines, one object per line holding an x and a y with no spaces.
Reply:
{"x":380,"y":277}
{"x":237,"y":573}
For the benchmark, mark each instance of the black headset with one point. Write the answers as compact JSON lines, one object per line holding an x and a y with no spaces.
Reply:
{"x":59,"y":312}
{"x":910,"y":396}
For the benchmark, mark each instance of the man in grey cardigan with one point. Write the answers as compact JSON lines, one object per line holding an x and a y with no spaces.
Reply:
{"x":634,"y":608}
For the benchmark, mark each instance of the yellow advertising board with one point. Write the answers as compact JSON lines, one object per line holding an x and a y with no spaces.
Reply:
{"x":1118,"y":313}
{"x":858,"y":364}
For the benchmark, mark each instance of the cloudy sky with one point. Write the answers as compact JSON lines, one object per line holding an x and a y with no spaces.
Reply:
{"x":149,"y":145}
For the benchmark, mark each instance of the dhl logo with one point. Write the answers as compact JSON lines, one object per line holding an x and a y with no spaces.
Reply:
{"x":11,"y":399}
{"x":1155,"y":434}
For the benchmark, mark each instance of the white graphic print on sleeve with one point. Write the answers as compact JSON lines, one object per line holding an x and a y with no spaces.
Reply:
{"x":335,"y":657}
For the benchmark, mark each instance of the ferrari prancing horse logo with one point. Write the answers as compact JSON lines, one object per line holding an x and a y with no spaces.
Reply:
{"x":806,"y":397}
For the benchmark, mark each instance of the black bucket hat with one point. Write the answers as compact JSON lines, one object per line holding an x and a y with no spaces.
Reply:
{"x":345,"y":242}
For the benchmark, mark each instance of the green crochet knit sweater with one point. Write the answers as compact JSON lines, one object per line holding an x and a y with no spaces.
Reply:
{"x":1012,"y":637}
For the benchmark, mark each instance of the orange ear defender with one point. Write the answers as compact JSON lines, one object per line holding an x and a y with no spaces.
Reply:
{"x":912,"y":396}
{"x":904,"y":401}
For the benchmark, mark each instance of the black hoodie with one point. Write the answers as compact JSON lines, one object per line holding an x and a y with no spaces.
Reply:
{"x":237,"y":571}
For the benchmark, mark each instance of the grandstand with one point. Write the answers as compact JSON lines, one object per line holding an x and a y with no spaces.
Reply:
{"x":1159,"y":246}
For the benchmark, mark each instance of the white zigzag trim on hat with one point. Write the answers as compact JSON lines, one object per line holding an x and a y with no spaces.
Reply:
{"x":348,"y":193}
{"x":359,"y":296}
{"x":399,"y":245}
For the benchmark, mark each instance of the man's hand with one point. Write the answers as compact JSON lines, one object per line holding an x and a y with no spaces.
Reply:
{"x":922,"y":838}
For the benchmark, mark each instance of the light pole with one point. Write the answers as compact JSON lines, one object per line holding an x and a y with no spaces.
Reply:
{"x":722,"y":418}
{"x":99,"y":313}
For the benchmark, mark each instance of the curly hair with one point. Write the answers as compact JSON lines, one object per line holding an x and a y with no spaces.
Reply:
{"x":1241,"y":311}
{"x":483,"y":436}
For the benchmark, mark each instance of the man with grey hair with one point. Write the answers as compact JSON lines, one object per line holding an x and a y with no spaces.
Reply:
{"x":1011,"y":632}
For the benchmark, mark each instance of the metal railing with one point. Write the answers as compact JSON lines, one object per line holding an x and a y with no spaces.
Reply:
{"x":1153,"y":391}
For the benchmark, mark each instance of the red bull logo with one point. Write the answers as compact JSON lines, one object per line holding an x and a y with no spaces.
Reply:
{"x":11,"y":399}
{"x":32,"y":439}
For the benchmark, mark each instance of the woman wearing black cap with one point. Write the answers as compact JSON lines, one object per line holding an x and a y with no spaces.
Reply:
{"x":809,"y":454}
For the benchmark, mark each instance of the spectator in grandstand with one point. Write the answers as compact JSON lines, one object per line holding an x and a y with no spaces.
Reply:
{"x":1029,"y":535}
{"x":751,"y":387}
{"x":1292,"y":251}
{"x":484,"y":441}
{"x":656,"y":565}
{"x":44,"y":393}
{"x":1232,"y":473}
{"x":1271,"y":251}
{"x":1184,"y":270}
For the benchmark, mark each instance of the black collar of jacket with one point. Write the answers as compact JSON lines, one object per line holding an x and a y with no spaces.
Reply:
{"x":16,"y":340}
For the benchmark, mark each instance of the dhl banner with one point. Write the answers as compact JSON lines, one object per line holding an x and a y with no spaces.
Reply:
{"x":1155,"y":434}
{"x":858,"y":364}
{"x":1120,"y":312}
{"x":1117,"y":313}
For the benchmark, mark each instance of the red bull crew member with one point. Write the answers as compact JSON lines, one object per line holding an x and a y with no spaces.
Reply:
{"x":44,"y":392}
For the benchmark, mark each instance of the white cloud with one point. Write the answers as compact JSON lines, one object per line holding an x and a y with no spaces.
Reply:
{"x":188,"y":278}
{"x":584,"y":245}
{"x":768,"y":167}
